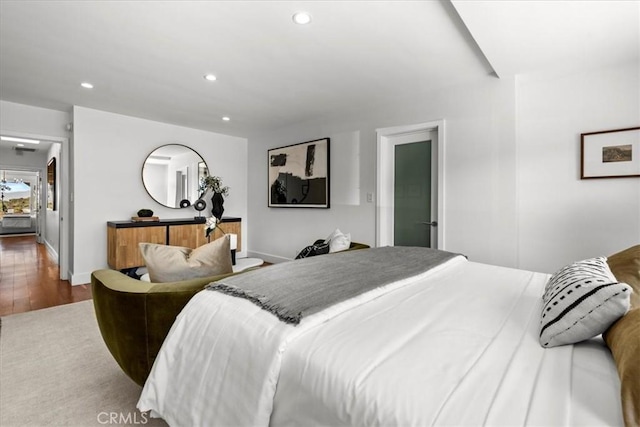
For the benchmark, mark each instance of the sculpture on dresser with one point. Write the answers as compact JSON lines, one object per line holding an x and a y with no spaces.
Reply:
{"x":145,"y":213}
{"x":217,"y":205}
{"x":214,"y":185}
{"x":199,"y":205}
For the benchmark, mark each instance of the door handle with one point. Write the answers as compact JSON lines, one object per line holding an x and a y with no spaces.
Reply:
{"x":432,"y":223}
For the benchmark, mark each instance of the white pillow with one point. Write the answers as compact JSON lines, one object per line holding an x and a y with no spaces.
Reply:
{"x":581,"y":301}
{"x":338,"y":241}
{"x":143,"y":273}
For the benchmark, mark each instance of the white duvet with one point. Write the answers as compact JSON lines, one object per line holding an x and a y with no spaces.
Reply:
{"x":456,"y":346}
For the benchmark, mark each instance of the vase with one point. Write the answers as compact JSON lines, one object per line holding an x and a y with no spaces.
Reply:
{"x":217,"y":208}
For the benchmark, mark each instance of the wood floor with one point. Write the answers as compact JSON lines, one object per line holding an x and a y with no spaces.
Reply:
{"x":29,"y":280}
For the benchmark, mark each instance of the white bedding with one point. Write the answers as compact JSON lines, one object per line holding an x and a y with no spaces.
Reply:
{"x":457,"y":346}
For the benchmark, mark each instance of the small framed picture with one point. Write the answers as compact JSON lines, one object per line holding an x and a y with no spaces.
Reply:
{"x":610,"y":154}
{"x":52,"y":204}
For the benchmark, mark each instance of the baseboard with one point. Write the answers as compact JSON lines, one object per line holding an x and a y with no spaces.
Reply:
{"x":79,"y":279}
{"x":52,"y":252}
{"x":274,"y":259}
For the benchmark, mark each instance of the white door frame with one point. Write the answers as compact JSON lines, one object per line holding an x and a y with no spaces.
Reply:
{"x":385,"y":179}
{"x":63,"y":198}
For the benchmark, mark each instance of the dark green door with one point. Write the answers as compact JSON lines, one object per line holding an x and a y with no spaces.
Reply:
{"x":412,"y":194}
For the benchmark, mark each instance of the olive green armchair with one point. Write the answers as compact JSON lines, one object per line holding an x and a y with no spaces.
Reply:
{"x":356,"y":246}
{"x":134,"y":316}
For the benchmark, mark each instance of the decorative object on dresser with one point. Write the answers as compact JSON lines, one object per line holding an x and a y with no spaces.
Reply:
{"x":145,"y":212}
{"x":299,"y":175}
{"x":145,"y":215}
{"x":199,"y":205}
{"x":217,"y":205}
{"x":214,"y":185}
{"x":610,"y":154}
{"x":123,"y":237}
{"x":144,"y":218}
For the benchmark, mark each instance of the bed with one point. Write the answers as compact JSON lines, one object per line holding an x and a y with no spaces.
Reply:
{"x":455,"y":344}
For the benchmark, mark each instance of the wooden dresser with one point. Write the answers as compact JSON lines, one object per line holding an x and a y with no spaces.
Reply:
{"x":123,"y":237}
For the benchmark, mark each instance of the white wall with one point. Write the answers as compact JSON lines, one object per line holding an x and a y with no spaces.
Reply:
{"x":279,"y":233}
{"x":27,"y":120}
{"x":479,"y":177}
{"x":11,"y":159}
{"x":109,"y":151}
{"x":561,"y":217}
{"x":43,"y":123}
{"x":513,"y":193}
{"x":33,"y":120}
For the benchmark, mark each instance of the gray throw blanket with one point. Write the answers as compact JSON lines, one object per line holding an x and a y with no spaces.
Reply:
{"x":298,"y":288}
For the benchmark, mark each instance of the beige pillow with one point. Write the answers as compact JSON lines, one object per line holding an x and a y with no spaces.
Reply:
{"x":625,"y":266}
{"x":177,"y":263}
{"x":623,"y":339}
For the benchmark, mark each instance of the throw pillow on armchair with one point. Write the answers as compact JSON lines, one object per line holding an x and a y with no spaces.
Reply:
{"x":319,"y":247}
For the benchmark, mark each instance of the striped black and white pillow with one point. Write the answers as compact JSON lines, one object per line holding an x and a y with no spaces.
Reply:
{"x":581,"y":301}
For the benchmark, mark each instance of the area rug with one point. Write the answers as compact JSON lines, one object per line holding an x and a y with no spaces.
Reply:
{"x":55,"y":370}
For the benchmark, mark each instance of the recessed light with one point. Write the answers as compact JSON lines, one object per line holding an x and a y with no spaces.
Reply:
{"x":86,"y":85}
{"x":301,"y":18}
{"x":20,"y":145}
{"x":13,"y":139}
{"x":210,"y":77}
{"x":226,"y":119}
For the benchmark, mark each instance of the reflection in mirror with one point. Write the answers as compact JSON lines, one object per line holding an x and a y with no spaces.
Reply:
{"x":171,"y":175}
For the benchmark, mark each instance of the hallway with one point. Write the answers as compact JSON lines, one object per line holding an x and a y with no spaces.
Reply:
{"x":29,"y":280}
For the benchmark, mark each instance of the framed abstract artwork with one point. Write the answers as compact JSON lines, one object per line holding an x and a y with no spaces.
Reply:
{"x":610,"y":154}
{"x":299,"y":175}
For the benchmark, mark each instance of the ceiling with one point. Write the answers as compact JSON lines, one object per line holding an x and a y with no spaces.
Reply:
{"x":17,"y":175}
{"x":147,"y":59}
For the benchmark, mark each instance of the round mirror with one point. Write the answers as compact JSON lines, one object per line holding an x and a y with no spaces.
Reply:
{"x":171,"y":174}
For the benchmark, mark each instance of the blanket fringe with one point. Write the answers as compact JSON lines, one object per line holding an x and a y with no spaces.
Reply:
{"x":260,"y":300}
